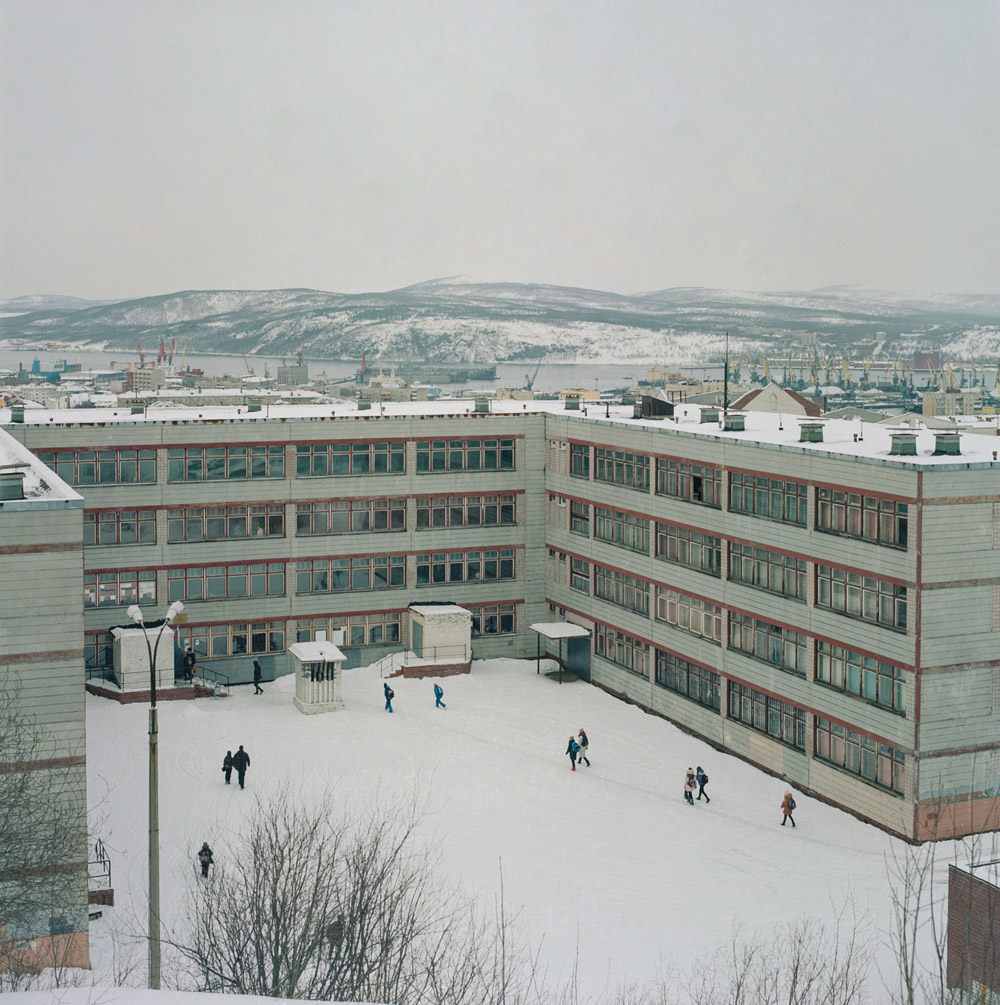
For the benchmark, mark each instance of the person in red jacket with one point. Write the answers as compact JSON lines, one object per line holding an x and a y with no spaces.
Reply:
{"x":787,"y":807}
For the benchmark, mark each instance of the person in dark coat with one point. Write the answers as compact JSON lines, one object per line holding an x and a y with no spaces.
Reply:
{"x":227,"y":765}
{"x":690,"y":784}
{"x":188,"y":664}
{"x":257,"y":689}
{"x":205,"y":859}
{"x":241,"y":761}
{"x":787,"y":808}
{"x":573,"y":748}
{"x":438,"y":695}
{"x":389,"y":695}
{"x":702,"y":779}
{"x":584,"y":742}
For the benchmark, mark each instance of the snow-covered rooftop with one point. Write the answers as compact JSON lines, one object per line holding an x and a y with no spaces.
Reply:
{"x":41,"y":485}
{"x":852,"y":438}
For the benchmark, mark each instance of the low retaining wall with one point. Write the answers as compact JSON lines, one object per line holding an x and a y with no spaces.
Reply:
{"x":166,"y":694}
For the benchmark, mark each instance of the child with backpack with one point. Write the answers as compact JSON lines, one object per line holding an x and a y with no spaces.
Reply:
{"x":702,"y":780}
{"x":787,"y":808}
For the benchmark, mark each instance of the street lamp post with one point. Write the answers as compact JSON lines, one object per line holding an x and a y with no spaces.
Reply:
{"x":135,"y":613}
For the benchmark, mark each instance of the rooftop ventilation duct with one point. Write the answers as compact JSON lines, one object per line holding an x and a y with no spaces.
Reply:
{"x":904,"y":444}
{"x":253,"y":407}
{"x":11,"y":484}
{"x":17,"y":415}
{"x":735,"y":423}
{"x":483,"y":405}
{"x":811,"y":432}
{"x":137,"y":410}
{"x":709,"y":415}
{"x":947,"y":443}
{"x":572,"y":403}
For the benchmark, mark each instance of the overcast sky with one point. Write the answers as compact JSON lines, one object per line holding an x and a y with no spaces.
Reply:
{"x":149,"y":146}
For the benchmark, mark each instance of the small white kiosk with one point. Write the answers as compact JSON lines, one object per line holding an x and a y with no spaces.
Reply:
{"x":131,"y":657}
{"x":441,"y":633}
{"x":317,"y":676}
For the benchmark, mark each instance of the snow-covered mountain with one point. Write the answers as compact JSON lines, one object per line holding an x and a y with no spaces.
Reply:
{"x":460,"y":320}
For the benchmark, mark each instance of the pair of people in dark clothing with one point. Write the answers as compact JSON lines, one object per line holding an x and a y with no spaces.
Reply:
{"x":240,"y":761}
{"x":188,"y":664}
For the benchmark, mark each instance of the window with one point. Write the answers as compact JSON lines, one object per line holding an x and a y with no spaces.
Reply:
{"x":465,"y":511}
{"x":350,"y":516}
{"x":858,"y":754}
{"x":689,"y":679}
{"x":861,"y":596}
{"x":196,"y":464}
{"x":771,"y":498}
{"x":217,"y":582}
{"x":333,"y":575}
{"x":219,"y":523}
{"x":579,"y":575}
{"x":772,"y":716}
{"x":465,"y":455}
{"x":349,"y":458}
{"x":621,"y":589}
{"x":379,"y":629}
{"x":243,"y":639}
{"x":102,"y":467}
{"x":622,"y":529}
{"x":694,"y":482}
{"x":767,"y":570}
{"x":690,"y":614}
{"x":867,"y":518}
{"x":781,"y":647}
{"x":863,"y":676}
{"x":579,"y":460}
{"x":116,"y":589}
{"x":98,"y":650}
{"x":621,"y":467}
{"x":579,"y":518}
{"x":622,"y":649}
{"x":120,"y":527}
{"x":465,"y":567}
{"x":493,"y":619}
{"x":689,"y":547}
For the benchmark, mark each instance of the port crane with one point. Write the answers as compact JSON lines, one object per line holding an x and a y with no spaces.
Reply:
{"x":529,"y":378}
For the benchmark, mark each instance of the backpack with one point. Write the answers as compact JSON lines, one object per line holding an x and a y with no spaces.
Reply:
{"x":791,"y":804}
{"x":390,"y":694}
{"x":704,"y":778}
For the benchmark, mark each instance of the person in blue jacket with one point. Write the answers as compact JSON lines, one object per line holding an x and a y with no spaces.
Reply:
{"x":573,"y":748}
{"x":389,"y":695}
{"x":438,"y":695}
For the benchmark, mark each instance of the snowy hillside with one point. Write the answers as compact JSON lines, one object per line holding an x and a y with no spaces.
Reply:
{"x":461,"y":321}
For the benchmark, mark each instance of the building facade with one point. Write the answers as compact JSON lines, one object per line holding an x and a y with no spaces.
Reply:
{"x":826,"y":611}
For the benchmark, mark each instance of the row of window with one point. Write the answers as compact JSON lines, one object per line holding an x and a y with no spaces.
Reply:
{"x":191,"y":464}
{"x":852,"y":514}
{"x":839,"y":745}
{"x":344,"y":516}
{"x":254,"y":638}
{"x":322,"y":575}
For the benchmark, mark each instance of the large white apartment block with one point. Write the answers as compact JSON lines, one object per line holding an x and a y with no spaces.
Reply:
{"x":820,"y":599}
{"x":44,"y":871}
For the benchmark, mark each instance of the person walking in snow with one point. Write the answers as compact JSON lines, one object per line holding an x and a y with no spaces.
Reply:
{"x":205,"y":859}
{"x":573,"y":748}
{"x":241,"y":761}
{"x":690,"y":784}
{"x":702,"y":780}
{"x":257,"y":689}
{"x":438,"y":695}
{"x":227,"y":765}
{"x":188,"y":664}
{"x":787,"y":808}
{"x":389,"y":695}
{"x":584,"y":743}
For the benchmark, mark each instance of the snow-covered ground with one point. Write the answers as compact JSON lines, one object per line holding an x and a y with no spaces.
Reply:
{"x":609,"y":858}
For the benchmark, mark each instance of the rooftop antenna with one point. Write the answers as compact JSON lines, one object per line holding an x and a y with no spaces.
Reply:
{"x":725,"y":380}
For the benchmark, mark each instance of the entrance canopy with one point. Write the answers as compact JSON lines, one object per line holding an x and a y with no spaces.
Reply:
{"x":557,"y":631}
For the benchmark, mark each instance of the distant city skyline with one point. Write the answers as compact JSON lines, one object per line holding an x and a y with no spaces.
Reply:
{"x":147,"y":149}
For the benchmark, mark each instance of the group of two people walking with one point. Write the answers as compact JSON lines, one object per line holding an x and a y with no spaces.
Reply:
{"x":578,"y":748}
{"x":695,"y":780}
{"x":389,"y":694}
{"x":239,"y":761}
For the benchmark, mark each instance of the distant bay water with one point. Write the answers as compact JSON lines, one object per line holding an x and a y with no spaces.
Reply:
{"x":550,"y":376}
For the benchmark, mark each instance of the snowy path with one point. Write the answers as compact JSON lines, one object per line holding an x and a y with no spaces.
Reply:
{"x":610,"y":854}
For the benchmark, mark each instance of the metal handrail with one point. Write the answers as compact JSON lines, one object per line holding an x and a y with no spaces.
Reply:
{"x":216,"y":675}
